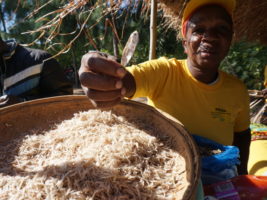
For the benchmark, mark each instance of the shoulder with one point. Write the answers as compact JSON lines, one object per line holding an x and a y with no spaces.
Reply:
{"x":30,"y":54}
{"x":37,"y":54}
{"x":158,"y":67}
{"x":166,"y":61}
{"x":234,"y":82}
{"x":232,"y":79}
{"x":161,"y":63}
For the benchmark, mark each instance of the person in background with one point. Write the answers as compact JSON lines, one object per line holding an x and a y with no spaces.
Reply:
{"x":28,"y":74}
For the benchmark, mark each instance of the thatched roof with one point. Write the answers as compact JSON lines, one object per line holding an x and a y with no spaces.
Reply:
{"x":250,"y":18}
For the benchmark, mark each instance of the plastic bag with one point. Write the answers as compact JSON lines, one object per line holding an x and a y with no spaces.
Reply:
{"x":244,"y":187}
{"x":218,"y":167}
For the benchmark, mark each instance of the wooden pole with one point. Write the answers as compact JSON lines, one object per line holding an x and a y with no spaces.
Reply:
{"x":153,"y":30}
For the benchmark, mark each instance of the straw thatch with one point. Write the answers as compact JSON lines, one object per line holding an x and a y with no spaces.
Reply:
{"x":250,"y":18}
{"x":52,"y":22}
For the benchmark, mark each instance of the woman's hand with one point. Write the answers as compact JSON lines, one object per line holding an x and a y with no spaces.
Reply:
{"x":104,"y":81}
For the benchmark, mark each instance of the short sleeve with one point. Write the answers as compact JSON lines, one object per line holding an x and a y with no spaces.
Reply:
{"x":149,"y":77}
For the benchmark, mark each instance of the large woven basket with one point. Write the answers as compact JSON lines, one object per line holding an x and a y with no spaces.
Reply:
{"x":43,"y":113}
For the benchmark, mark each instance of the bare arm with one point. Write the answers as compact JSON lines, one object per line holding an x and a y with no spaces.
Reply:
{"x":242,"y":141}
{"x":105,"y":81}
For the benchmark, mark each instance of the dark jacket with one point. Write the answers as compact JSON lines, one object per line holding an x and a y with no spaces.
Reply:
{"x":30,"y":74}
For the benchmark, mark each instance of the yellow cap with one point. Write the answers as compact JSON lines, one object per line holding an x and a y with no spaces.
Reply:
{"x":193,"y":5}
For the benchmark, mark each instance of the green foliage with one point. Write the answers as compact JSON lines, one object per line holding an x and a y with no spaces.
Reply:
{"x":247,"y":62}
{"x":168,"y":45}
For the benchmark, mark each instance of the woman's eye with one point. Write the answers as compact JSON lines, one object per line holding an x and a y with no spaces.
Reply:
{"x":199,"y":30}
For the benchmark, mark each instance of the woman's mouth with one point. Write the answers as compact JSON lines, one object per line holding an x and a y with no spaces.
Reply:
{"x":207,"y":53}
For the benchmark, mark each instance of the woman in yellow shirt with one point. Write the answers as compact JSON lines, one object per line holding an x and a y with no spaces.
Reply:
{"x":207,"y":101}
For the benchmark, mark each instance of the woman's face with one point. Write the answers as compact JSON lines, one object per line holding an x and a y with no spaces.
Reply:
{"x":208,"y":37}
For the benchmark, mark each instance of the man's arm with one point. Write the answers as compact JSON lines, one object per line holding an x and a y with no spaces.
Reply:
{"x":105,"y":81}
{"x":242,"y":141}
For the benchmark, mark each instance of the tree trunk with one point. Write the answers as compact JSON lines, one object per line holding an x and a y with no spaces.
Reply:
{"x":153,"y":30}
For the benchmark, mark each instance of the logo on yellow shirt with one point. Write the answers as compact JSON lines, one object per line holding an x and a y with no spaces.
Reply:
{"x":221,"y":114}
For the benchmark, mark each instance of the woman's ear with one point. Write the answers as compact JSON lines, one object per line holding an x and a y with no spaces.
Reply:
{"x":184,"y":42}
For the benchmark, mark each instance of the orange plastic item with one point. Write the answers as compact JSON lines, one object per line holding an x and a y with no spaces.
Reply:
{"x":244,"y":187}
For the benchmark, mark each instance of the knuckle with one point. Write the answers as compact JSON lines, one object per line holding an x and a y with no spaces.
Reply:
{"x":82,"y":77}
{"x":88,"y":60}
{"x":85,"y":57}
{"x":90,"y":94}
{"x":91,"y":61}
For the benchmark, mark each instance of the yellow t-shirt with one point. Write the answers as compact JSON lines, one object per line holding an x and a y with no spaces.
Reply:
{"x":213,"y":111}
